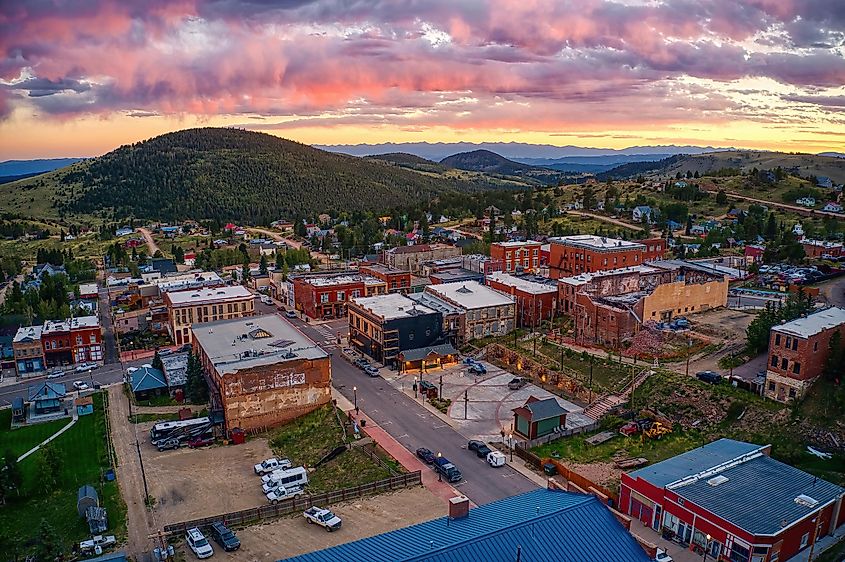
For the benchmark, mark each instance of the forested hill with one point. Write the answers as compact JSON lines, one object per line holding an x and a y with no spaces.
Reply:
{"x":230,"y":174}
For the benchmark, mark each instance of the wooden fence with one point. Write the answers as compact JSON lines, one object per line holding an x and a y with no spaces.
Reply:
{"x":292,"y":505}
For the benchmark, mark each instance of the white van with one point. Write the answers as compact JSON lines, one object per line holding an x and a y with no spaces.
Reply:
{"x":290,"y":478}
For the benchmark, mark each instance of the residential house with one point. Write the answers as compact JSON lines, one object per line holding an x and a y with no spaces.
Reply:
{"x":46,"y":398}
{"x":147,"y":382}
{"x":124,"y":231}
{"x":832,"y":207}
{"x":824,"y":181}
{"x":643,"y":212}
{"x":806,"y":201}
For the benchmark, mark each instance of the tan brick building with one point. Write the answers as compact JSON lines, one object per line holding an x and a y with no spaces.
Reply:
{"x":411,"y":258}
{"x":484,"y":312}
{"x":185,"y":308}
{"x":264,"y":371}
{"x":798,"y":351}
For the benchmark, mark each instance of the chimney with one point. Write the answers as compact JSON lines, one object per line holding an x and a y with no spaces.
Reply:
{"x":458,"y":507}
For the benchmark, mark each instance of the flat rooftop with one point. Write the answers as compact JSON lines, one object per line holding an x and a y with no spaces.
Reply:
{"x":599,"y":243}
{"x":31,"y":333}
{"x":392,"y":306}
{"x":524,"y":284}
{"x":179,"y":298}
{"x":470,"y":294}
{"x":583,"y":278}
{"x":517,"y":243}
{"x":345,"y":279}
{"x":814,"y":323}
{"x":243,"y":343}
{"x":386,"y":269}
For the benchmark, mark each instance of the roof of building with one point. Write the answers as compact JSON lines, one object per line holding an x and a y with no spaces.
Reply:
{"x":814,"y":323}
{"x":243,"y":343}
{"x":544,"y":524}
{"x":517,"y":243}
{"x":470,"y":294}
{"x":392,"y":306}
{"x":545,"y":409}
{"x":175,"y":368}
{"x":28,"y":334}
{"x":456,"y":275}
{"x":208,"y":295}
{"x":113,"y":557}
{"x":84,"y":322}
{"x":385,"y":269}
{"x":415,"y":249}
{"x":583,"y":278}
{"x":339,"y":279}
{"x":532,"y":285}
{"x":87,"y":288}
{"x":46,"y":390}
{"x":147,"y":378}
{"x":592,"y":242}
{"x":434,"y":303}
{"x":757,"y":493}
{"x":423,"y":352}
{"x":163,"y":265}
{"x":821,"y":243}
{"x":84,"y":401}
{"x":186,"y":281}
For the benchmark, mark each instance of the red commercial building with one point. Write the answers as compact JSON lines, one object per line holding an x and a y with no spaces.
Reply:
{"x":517,"y":256}
{"x":655,"y":249}
{"x":819,"y":248}
{"x":585,"y":253}
{"x":397,"y":280}
{"x":536,"y":297}
{"x":798,"y":351}
{"x":733,"y":500}
{"x":325,"y":296}
{"x":76,"y":340}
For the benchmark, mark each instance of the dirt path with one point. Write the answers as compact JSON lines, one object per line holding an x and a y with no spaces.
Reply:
{"x":151,"y":244}
{"x":166,"y":409}
{"x":139,"y":521}
{"x":617,"y":222}
{"x":319,"y":256}
{"x":786,"y":207}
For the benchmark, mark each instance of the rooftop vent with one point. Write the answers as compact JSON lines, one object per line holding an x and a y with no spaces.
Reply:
{"x":464,"y":289}
{"x":806,"y":501}
{"x":716,"y":480}
{"x":282,"y":343}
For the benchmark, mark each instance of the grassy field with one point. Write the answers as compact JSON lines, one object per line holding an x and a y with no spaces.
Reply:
{"x":85,"y":456}
{"x":310,"y":438}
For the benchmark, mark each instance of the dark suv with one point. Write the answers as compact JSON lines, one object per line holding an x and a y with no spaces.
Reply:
{"x":709,"y":376}
{"x":481,"y":449}
{"x":447,"y":469}
{"x":224,"y":537}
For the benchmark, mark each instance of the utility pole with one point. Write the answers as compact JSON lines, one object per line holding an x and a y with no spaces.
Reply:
{"x":143,"y":474}
{"x":441,"y":387}
{"x":466,"y":402}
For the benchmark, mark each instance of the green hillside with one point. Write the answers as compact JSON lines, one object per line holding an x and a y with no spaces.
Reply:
{"x":807,"y":164}
{"x":225,"y":174}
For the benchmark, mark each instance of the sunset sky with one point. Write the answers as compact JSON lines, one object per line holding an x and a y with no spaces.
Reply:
{"x":79,"y":78}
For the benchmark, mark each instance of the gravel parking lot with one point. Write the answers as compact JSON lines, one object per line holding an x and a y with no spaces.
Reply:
{"x":362,"y":518}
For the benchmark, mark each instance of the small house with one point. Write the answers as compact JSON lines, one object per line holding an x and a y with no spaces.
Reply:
{"x":125,"y":231}
{"x":46,"y":397}
{"x":84,"y":406}
{"x":832,"y":207}
{"x":147,"y":382}
{"x":806,"y":201}
{"x":539,"y":417}
{"x":18,"y":410}
{"x":824,"y":181}
{"x":642,"y":212}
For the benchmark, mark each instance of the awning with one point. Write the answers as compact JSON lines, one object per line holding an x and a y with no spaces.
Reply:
{"x":433,"y":351}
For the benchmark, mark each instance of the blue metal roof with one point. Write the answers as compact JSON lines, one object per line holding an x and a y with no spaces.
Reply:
{"x":544,"y":524}
{"x":147,"y":378}
{"x":693,"y":462}
{"x":46,"y":391}
{"x":759,"y":495}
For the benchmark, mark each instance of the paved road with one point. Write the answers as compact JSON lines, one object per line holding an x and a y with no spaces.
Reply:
{"x":109,"y":343}
{"x":413,"y":425}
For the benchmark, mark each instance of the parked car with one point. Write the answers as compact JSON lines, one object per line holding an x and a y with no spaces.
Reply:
{"x":223,"y":536}
{"x":468,"y":360}
{"x":661,"y":556}
{"x":496,"y":459}
{"x":55,"y":373}
{"x":82,"y":367}
{"x":361,"y":363}
{"x":200,"y":441}
{"x":323,"y":517}
{"x":480,"y":447}
{"x":164,"y":351}
{"x":371,"y":371}
{"x":709,"y":376}
{"x":447,"y":469}
{"x":269,"y":465}
{"x":478,"y":369}
{"x":79,"y":385}
{"x":167,"y":444}
{"x":290,"y":314}
{"x":199,"y":544}
{"x":96,"y":544}
{"x":425,"y":455}
{"x":517,"y":382}
{"x":266,"y":300}
{"x":185,"y":347}
{"x":280,"y":493}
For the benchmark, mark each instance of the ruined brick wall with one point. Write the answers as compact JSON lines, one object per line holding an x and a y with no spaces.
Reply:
{"x":263,"y":397}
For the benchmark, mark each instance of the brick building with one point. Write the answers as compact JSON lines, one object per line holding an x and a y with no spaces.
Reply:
{"x":798,"y":351}
{"x":410,"y":258}
{"x":264,"y":372}
{"x":29,"y":352}
{"x":585,"y":253}
{"x":536,"y":297}
{"x":819,"y":248}
{"x":185,"y":308}
{"x":609,"y":307}
{"x":397,"y":280}
{"x":517,"y":256}
{"x":325,"y":296}
{"x":385,"y":325}
{"x":75,"y":340}
{"x":655,"y":249}
{"x":484,"y":312}
{"x":752,"y":507}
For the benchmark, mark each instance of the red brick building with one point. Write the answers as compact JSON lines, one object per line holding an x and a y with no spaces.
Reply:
{"x":517,"y":256}
{"x":584,"y":253}
{"x":655,"y":249}
{"x":397,"y":280}
{"x":798,"y":351}
{"x":536,"y":297}
{"x":325,"y":296}
{"x":733,"y":500}
{"x":819,"y":248}
{"x":76,"y":340}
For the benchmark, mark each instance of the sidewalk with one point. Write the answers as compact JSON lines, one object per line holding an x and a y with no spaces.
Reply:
{"x":59,"y":432}
{"x":405,"y":457}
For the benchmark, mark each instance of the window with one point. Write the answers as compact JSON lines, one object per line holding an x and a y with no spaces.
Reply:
{"x":324,"y":298}
{"x":796,"y":368}
{"x":792,"y":393}
{"x":795,"y":344}
{"x":788,"y":342}
{"x":815,"y":346}
{"x":784,"y":362}
{"x":804,"y":539}
{"x":777,"y":339}
{"x":92,"y":338}
{"x":774,"y":556}
{"x":78,"y":340}
{"x":341,"y":295}
{"x":772,"y":386}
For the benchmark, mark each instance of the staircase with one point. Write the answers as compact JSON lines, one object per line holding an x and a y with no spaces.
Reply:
{"x":598,"y":409}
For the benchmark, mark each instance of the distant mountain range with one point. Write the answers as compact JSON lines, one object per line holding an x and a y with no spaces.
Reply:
{"x":31,"y":167}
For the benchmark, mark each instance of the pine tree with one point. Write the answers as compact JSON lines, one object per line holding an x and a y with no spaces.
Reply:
{"x":262,"y":265}
{"x":195,"y":387}
{"x":157,"y":363}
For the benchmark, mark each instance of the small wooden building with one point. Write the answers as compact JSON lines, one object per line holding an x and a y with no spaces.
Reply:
{"x":538,"y":417}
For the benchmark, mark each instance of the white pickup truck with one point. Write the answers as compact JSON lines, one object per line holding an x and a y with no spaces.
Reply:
{"x":96,"y":544}
{"x":323,"y":517}
{"x":271,"y":464}
{"x":280,"y":493}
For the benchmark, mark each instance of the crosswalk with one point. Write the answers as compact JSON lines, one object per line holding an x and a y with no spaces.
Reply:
{"x":328,"y":335}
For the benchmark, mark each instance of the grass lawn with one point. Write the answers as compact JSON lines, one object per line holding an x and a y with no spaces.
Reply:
{"x":84,"y":450}
{"x":308,"y":439}
{"x":22,"y":440}
{"x":143,"y":418}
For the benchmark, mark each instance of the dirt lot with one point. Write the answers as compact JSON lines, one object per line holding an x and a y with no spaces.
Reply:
{"x":722,"y":323}
{"x":361,"y":518}
{"x":192,"y":483}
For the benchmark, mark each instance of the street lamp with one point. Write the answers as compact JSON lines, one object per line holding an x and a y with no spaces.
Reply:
{"x":706,"y":546}
{"x":355,"y":398}
{"x":439,"y":473}
{"x":416,"y":385}
{"x":510,"y":443}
